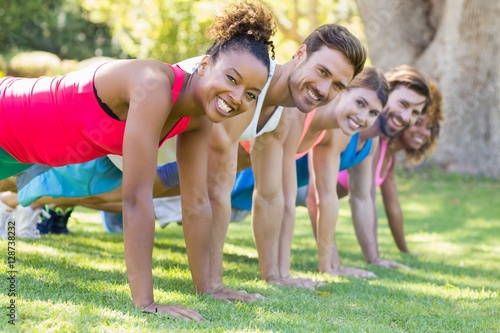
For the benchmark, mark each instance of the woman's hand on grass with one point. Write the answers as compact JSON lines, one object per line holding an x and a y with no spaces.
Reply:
{"x":350,"y":272}
{"x":294,"y":282}
{"x":387,"y":263}
{"x":228,"y":294}
{"x":175,"y":311}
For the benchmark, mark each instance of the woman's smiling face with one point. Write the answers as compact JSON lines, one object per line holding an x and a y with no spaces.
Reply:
{"x":234,"y":82}
{"x":417,"y":135}
{"x":358,"y":109}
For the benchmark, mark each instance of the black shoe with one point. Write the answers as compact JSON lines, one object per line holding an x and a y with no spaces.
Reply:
{"x":54,"y":221}
{"x":60,"y":224}
{"x":46,"y":217}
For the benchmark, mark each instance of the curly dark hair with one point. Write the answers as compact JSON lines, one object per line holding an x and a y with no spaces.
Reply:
{"x":243,"y":26}
{"x":435,"y":114}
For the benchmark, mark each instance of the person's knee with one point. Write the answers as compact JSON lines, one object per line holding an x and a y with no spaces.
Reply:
{"x":8,"y":185}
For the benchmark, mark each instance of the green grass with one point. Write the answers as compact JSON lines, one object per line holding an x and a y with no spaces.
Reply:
{"x":77,"y":283}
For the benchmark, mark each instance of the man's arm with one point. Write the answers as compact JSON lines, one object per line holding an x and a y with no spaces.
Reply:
{"x":389,"y":191}
{"x":362,"y":200}
{"x":268,"y":200}
{"x":289,"y":190}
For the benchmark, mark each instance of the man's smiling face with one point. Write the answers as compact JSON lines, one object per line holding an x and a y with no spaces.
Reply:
{"x":402,"y":110}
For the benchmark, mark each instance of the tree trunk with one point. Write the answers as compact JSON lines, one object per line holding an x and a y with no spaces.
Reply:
{"x":455,"y":43}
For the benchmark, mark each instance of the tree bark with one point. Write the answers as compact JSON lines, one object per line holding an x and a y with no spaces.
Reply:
{"x":455,"y":43}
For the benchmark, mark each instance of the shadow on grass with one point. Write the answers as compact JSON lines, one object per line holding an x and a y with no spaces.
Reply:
{"x":230,"y":259}
{"x":72,"y":278}
{"x":437,"y":201}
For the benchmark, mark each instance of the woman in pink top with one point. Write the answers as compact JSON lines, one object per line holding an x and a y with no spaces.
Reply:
{"x":129,"y":107}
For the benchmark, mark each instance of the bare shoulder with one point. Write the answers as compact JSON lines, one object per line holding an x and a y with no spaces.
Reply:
{"x":335,"y":138}
{"x":132,"y":72}
{"x":119,"y":81}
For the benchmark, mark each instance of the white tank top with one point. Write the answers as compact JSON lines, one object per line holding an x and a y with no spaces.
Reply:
{"x":251,"y":131}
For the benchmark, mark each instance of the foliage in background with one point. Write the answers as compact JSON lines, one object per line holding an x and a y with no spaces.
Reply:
{"x":3,"y":66}
{"x":57,"y":26}
{"x":298,"y":18}
{"x":173,"y":30}
{"x":167,"y":30}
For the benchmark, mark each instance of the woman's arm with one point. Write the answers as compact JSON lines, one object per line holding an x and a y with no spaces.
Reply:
{"x":192,"y":153}
{"x":325,"y":166}
{"x":326,"y":162}
{"x":389,"y":191}
{"x":145,"y":121}
{"x":361,"y":183}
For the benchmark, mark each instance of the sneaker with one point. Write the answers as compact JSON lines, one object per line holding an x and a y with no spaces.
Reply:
{"x":238,"y":215}
{"x":60,"y":226}
{"x":45,"y":219}
{"x":5,"y":216}
{"x":26,"y":222}
{"x":168,"y":210}
{"x":301,"y":199}
{"x":54,"y":221}
{"x":112,"y":222}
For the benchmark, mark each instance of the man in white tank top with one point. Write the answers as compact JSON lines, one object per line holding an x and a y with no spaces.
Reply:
{"x":313,"y":77}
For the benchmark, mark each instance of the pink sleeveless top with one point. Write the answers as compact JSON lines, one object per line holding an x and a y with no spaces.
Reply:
{"x":58,"y":120}
{"x":307,"y":124}
{"x":343,"y":177}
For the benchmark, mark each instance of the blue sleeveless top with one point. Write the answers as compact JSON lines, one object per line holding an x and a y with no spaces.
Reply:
{"x":350,"y":157}
{"x":241,"y":195}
